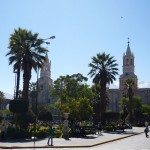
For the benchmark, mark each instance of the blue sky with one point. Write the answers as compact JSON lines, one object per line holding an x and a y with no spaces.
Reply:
{"x":82,"y":28}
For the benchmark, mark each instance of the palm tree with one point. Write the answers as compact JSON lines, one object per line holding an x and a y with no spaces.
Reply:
{"x":103,"y":70}
{"x":16,"y":54}
{"x":130,"y":84}
{"x":26,"y":52}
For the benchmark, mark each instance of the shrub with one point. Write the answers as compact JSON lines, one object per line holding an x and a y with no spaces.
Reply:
{"x":108,"y":128}
{"x":42,"y":132}
{"x":58,"y":133}
{"x":17,"y":133}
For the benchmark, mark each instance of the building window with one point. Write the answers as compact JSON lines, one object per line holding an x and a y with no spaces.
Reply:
{"x":127,"y":61}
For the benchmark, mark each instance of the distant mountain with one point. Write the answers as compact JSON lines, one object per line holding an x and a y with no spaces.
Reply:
{"x":8,"y":96}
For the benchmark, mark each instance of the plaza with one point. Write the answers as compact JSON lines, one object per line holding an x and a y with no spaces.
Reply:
{"x":87,"y":142}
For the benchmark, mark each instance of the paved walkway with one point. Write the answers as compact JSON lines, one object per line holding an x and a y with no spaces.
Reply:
{"x":89,"y":141}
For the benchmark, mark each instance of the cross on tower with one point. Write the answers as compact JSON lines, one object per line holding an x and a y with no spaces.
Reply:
{"x":128,"y":40}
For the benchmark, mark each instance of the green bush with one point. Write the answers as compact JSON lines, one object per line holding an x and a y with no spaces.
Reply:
{"x":42,"y":132}
{"x":17,"y":133}
{"x":108,"y":128}
{"x":58,"y":133}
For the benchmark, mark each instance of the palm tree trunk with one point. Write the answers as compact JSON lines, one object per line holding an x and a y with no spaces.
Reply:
{"x":103,"y":97}
{"x":26,"y":80}
{"x":18,"y":82}
{"x":130,"y":93}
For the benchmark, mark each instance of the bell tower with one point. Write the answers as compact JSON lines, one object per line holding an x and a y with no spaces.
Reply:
{"x":128,"y":61}
{"x":46,"y":69}
{"x":45,"y":82}
{"x":128,"y":67}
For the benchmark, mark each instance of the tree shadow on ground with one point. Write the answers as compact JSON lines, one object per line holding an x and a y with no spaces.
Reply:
{"x":120,"y":132}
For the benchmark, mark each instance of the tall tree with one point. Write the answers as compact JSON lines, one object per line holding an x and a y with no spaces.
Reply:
{"x":103,"y":71}
{"x":16,"y":55}
{"x":74,"y":96}
{"x":70,"y":86}
{"x":129,"y":84}
{"x":2,"y":97}
{"x":26,"y":53}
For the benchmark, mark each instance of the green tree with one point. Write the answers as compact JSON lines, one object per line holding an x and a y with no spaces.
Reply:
{"x":103,"y":71}
{"x":129,"y":84}
{"x":124,"y":103}
{"x":79,"y":110}
{"x":96,"y":103}
{"x":15,"y":54}
{"x":26,"y":53}
{"x":136,"y":107}
{"x":146,"y":109}
{"x":73,"y":94}
{"x":2,"y":97}
{"x":44,"y":113}
{"x":70,"y":86}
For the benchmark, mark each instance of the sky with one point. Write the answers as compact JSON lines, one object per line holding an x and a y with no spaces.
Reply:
{"x":83,"y":28}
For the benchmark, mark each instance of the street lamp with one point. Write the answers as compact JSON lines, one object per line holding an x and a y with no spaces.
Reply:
{"x":35,"y":122}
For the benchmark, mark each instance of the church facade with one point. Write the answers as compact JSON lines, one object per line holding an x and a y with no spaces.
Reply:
{"x":128,"y":72}
{"x":45,"y":83}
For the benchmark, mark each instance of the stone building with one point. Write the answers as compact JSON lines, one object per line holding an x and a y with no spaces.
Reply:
{"x":45,"y":82}
{"x":128,"y":72}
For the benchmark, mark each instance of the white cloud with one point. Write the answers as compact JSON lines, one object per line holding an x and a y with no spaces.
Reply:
{"x":115,"y":85}
{"x":143,"y":84}
{"x":8,"y":96}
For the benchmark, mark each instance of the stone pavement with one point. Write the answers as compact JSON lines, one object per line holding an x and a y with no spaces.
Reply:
{"x":89,"y":141}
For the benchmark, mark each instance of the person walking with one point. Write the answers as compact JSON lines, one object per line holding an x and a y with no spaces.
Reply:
{"x":146,"y":130}
{"x":51,"y":135}
{"x":99,"y":126}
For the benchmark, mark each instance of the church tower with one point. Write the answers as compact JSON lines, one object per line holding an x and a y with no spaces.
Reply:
{"x":45,"y":82}
{"x":128,"y":68}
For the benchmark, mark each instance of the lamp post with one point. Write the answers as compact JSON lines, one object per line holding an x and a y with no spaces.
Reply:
{"x":36,"y":103}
